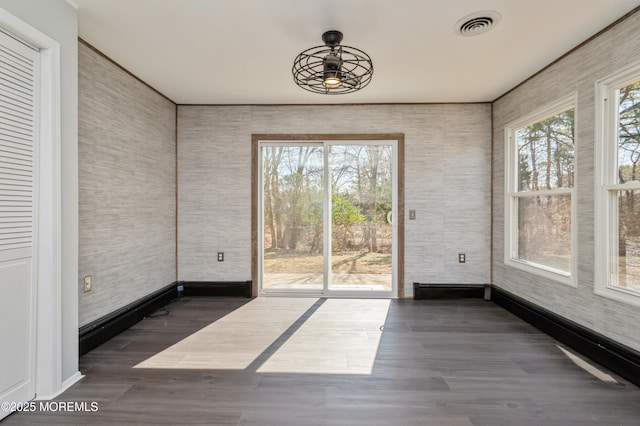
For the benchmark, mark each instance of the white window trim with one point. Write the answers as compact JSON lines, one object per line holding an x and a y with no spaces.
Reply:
{"x":511,"y":194}
{"x":606,"y":181}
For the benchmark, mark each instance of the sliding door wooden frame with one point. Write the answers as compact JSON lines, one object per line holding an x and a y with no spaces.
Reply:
{"x":255,"y":192}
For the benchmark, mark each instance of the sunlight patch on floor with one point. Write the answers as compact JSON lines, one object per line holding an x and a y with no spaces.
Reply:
{"x":235,"y":341}
{"x":341,"y":337}
{"x":271,"y":335}
{"x":588,"y":367}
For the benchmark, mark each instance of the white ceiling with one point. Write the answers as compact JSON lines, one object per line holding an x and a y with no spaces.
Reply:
{"x":242,"y":51}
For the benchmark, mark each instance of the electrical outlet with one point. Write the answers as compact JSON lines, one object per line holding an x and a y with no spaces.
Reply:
{"x":462,"y":258}
{"x":88,"y":283}
{"x":220,"y":256}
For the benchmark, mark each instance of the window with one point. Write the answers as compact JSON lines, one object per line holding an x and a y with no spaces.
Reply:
{"x":618,"y":188}
{"x":539,"y":199}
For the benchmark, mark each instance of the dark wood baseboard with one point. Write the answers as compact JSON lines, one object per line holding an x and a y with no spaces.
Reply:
{"x":450,"y":291}
{"x":99,"y":331}
{"x":216,"y":288}
{"x":618,"y":358}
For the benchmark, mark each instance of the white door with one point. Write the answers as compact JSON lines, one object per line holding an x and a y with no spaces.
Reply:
{"x":18,"y":139}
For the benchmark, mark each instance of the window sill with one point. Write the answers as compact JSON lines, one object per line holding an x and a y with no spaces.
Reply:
{"x":619,"y":295}
{"x":556,"y":275}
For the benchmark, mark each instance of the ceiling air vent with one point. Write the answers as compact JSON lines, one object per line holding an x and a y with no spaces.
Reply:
{"x":477,"y":23}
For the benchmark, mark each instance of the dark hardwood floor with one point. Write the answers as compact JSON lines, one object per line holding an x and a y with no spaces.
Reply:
{"x":233,"y":361}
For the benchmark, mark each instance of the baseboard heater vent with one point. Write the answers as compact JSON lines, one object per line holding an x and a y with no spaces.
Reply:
{"x":617,"y":357}
{"x":216,"y":288}
{"x":99,"y":331}
{"x":451,"y":291}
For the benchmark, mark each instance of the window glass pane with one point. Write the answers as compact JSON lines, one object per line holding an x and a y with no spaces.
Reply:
{"x":629,"y":133}
{"x":545,"y":153}
{"x":361,"y":229}
{"x":544,"y":231}
{"x":293,"y":185}
{"x":628,"y":251}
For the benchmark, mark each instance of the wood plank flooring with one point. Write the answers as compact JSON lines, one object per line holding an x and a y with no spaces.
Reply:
{"x":276,"y":361}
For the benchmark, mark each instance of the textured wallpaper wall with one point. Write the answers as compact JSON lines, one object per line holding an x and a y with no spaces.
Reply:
{"x":576,"y":73}
{"x":127,"y":187}
{"x":447,"y":175}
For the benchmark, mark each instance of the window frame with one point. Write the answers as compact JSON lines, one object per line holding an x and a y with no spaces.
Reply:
{"x":606,"y":183}
{"x":512,"y":194}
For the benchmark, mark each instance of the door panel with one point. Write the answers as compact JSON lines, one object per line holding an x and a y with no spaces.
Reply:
{"x":361,"y":212}
{"x":18,"y":66}
{"x":292,"y":215}
{"x":15,"y":333}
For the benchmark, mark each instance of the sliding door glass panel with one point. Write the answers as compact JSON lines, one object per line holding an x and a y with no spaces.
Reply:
{"x":361,"y":221}
{"x":292,"y":199}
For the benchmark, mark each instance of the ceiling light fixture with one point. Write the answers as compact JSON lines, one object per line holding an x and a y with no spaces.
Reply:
{"x":332,"y":69}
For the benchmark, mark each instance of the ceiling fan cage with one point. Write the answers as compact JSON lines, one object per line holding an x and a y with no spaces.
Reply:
{"x":355,"y":72}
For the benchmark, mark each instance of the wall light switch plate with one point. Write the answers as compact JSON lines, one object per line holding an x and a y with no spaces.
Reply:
{"x":412,"y":215}
{"x":88,"y":283}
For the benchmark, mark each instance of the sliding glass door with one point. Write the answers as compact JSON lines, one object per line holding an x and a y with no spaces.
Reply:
{"x":292,"y":217}
{"x":326,"y":225}
{"x":361,"y":188}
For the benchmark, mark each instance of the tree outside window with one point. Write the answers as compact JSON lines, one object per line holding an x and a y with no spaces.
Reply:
{"x":540,"y":182}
